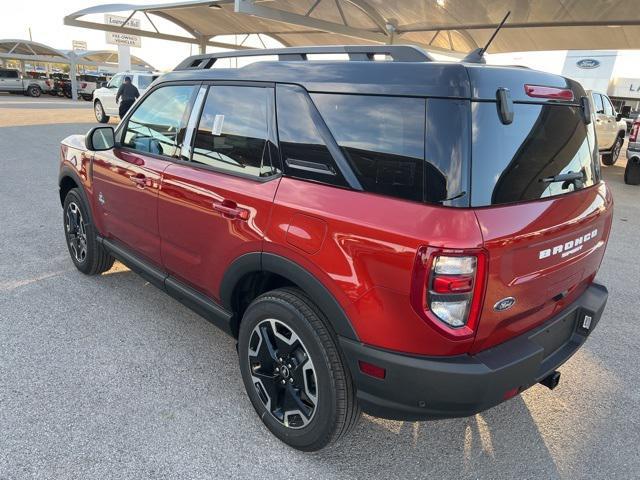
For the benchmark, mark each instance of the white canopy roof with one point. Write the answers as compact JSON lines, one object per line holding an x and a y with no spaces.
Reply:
{"x":456,"y":26}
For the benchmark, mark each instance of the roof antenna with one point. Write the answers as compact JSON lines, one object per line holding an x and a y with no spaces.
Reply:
{"x":477,"y":55}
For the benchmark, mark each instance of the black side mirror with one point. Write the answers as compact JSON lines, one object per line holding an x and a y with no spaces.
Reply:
{"x":618,"y":117}
{"x":99,"y":139}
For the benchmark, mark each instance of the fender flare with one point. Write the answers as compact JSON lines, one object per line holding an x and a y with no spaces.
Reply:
{"x":66,"y":171}
{"x":308,"y":283}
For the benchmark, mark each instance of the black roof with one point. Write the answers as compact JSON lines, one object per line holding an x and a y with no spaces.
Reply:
{"x":420,"y":77}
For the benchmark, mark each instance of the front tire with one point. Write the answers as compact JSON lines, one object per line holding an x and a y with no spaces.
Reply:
{"x":86,"y":253}
{"x":98,"y":109}
{"x":612,"y":157}
{"x":293,"y":372}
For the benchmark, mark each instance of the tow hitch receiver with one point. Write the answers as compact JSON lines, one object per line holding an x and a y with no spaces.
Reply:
{"x":551,"y":381}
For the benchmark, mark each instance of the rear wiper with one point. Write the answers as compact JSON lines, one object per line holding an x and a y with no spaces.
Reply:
{"x":576,"y":178}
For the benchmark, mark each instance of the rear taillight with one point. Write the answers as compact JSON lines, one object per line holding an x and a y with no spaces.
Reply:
{"x":83,"y":85}
{"x":633,"y":136}
{"x":448,"y":289}
{"x":47,"y":83}
{"x":552,"y":93}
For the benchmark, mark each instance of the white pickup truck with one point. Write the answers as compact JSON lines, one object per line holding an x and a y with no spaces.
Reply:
{"x":12,"y":81}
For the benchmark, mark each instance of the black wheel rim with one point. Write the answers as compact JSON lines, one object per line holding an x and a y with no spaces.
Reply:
{"x":76,"y":232}
{"x":282,"y":373}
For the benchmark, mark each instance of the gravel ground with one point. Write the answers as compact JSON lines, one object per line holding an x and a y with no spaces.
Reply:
{"x":107,"y":377}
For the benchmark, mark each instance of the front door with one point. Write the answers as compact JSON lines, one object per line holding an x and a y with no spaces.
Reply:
{"x":127,"y":178}
{"x":10,"y":81}
{"x":217,"y":207}
{"x":108,"y":97}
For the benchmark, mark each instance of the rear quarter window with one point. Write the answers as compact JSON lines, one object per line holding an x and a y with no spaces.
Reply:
{"x":382,"y":139}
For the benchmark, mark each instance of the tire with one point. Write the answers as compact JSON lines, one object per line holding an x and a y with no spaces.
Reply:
{"x":293,"y":372}
{"x":34,"y":91}
{"x":612,"y":157}
{"x":632,"y":172}
{"x":98,"y":110}
{"x":87,"y":97}
{"x":86,"y":253}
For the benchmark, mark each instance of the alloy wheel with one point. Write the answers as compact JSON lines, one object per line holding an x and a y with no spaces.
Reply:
{"x":282,"y":373}
{"x":76,"y":232}
{"x":98,"y":110}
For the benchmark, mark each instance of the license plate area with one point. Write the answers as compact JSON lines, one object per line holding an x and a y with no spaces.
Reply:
{"x":556,"y":335}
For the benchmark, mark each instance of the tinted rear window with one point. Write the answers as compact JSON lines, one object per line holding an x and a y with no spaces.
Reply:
{"x":513,"y":163}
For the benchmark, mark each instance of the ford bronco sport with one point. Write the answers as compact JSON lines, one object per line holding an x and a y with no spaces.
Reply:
{"x":414,"y":239}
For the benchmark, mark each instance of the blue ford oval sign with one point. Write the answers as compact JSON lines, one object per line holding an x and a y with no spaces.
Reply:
{"x":504,"y":304}
{"x":588,"y":63}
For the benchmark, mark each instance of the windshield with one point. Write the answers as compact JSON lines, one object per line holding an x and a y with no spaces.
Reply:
{"x":547,"y":151}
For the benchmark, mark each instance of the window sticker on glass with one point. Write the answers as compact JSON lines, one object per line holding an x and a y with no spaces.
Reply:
{"x":217,"y":125}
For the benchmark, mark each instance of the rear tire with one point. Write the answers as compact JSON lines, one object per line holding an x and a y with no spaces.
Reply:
{"x":98,"y":110}
{"x":632,"y":172}
{"x":293,"y":371}
{"x":612,"y":157}
{"x":86,"y":253}
{"x":34,"y":91}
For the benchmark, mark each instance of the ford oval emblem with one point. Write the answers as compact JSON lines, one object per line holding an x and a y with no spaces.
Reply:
{"x":504,"y":304}
{"x":588,"y":63}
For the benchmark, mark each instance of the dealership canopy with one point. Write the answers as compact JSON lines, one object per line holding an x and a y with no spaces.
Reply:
{"x":28,"y":51}
{"x":454,"y":26}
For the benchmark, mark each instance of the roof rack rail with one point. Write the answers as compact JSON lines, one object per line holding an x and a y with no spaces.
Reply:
{"x":398,"y":53}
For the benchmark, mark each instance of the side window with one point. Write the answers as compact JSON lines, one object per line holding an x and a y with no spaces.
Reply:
{"x":608,"y":108}
{"x":597,"y":102}
{"x":3,"y":74}
{"x":382,"y":138}
{"x":158,"y":124}
{"x":303,"y":150}
{"x":233,"y":133}
{"x":144,"y":81}
{"x":116,"y":81}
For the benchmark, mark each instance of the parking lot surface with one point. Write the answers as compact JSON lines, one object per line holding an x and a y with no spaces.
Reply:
{"x":108,"y":377}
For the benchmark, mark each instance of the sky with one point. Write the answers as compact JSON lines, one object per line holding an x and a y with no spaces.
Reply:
{"x":45,"y":18}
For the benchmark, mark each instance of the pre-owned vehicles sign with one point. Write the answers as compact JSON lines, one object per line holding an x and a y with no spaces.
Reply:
{"x":119,"y":38}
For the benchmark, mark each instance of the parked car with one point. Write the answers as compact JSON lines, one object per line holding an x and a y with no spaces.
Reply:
{"x":632,"y":170}
{"x":610,"y":128}
{"x":415,"y":239}
{"x":60,"y":85}
{"x":104,"y":99}
{"x":12,"y":81}
{"x":87,"y":84}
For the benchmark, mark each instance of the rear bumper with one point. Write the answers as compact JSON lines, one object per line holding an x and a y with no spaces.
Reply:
{"x":422,"y":388}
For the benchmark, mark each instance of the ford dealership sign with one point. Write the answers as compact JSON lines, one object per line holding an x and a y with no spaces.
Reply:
{"x":588,"y":63}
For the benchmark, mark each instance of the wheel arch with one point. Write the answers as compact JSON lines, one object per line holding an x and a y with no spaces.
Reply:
{"x":67,"y":180}
{"x":259,"y":272}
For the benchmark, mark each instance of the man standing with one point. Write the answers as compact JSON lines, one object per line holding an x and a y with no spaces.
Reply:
{"x":128,"y":94}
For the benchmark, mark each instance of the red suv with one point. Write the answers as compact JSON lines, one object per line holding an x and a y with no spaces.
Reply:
{"x":414,"y":239}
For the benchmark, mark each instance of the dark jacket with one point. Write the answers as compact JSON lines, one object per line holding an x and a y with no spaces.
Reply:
{"x":127,"y":91}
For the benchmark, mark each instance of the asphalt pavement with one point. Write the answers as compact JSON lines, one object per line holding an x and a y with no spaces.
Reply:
{"x":109,"y":378}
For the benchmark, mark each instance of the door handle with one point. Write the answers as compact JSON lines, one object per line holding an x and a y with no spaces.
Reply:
{"x":140,"y":180}
{"x":230,"y":209}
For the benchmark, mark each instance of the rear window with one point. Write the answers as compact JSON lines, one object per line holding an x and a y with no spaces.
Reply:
{"x":518,"y":162}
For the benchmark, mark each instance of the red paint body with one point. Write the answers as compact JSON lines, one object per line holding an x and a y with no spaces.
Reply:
{"x":194,"y":222}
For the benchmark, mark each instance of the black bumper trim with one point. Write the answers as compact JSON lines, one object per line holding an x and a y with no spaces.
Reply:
{"x":423,"y":388}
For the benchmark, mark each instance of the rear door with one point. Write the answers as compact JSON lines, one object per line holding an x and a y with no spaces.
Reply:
{"x":545,"y":235}
{"x":127,"y":178}
{"x":216,"y":206}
